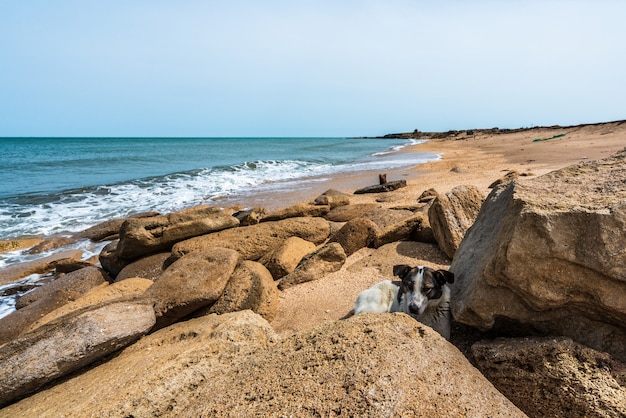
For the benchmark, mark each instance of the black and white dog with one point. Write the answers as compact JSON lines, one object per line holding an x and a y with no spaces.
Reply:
{"x":423,"y":293}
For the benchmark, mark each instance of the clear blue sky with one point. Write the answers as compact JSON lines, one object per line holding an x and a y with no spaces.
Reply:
{"x":306,"y":68}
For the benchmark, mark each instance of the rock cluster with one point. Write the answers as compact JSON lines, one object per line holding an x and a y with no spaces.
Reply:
{"x":183,"y":301}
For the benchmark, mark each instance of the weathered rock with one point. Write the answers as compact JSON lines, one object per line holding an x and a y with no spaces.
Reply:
{"x":18,"y":244}
{"x":157,"y":376}
{"x":507,"y":178}
{"x":286,"y":257}
{"x":79,"y":281}
{"x":550,"y":254}
{"x":102,"y":294}
{"x":297,"y":211}
{"x":68,"y":265}
{"x":249,"y":216}
{"x":451,"y":215}
{"x":50,"y":244}
{"x":110,"y":260}
{"x":554,"y":377}
{"x":355,"y":234}
{"x":67,"y":344}
{"x":108,"y":230}
{"x":384,"y":218}
{"x":366,"y":366}
{"x":427,"y":196}
{"x":251,"y":286}
{"x":399,"y":231}
{"x":144,"y":236}
{"x":382,"y":188}
{"x":315,"y":265}
{"x":39,"y":266}
{"x":192,"y":282}
{"x":254,"y":241}
{"x":333,"y":198}
{"x":347,"y":212}
{"x":149,"y":267}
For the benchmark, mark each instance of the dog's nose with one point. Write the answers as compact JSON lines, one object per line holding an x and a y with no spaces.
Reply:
{"x":414,"y":310}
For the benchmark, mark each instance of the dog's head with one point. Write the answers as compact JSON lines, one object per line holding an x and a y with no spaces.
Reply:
{"x":421,"y":284}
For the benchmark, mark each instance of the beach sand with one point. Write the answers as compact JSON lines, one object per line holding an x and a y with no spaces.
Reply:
{"x":477,"y":160}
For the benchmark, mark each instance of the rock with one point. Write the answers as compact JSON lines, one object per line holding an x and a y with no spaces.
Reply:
{"x":286,"y":257}
{"x":315,"y":265}
{"x":355,"y":234}
{"x":149,"y":267}
{"x":102,"y":294}
{"x":190,"y":283}
{"x":51,"y":244}
{"x":427,"y":196}
{"x":332,"y":198}
{"x":366,"y":366}
{"x":345,"y":213}
{"x":79,"y":281}
{"x":297,"y":211}
{"x":140,"y":237}
{"x":67,"y":344}
{"x":157,"y":376}
{"x":451,"y":215}
{"x":110,"y":260}
{"x":384,"y":218}
{"x":550,"y":256}
{"x":249,"y":216}
{"x":554,"y":377}
{"x":251,"y":286}
{"x":399,"y":231}
{"x":254,"y":241}
{"x":382,"y":188}
{"x":18,"y":244}
{"x":507,"y":178}
{"x":68,"y":265}
{"x":39,"y":266}
{"x":108,"y":230}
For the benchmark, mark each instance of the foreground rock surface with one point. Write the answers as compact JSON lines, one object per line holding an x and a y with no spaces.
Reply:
{"x":159,"y":375}
{"x":67,"y":344}
{"x":550,"y":254}
{"x":554,"y":377}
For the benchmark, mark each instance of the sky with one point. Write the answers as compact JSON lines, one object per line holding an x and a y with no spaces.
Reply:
{"x":307,"y":68}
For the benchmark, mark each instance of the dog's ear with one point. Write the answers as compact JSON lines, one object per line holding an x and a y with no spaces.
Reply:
{"x":444,"y":276}
{"x":401,"y":270}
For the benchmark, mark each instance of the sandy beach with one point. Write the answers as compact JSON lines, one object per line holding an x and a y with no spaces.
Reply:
{"x":478,"y":160}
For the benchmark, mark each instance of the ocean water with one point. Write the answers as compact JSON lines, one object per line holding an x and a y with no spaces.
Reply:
{"x":58,"y":186}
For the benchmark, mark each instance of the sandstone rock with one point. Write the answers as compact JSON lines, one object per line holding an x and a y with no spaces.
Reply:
{"x":79,"y":281}
{"x":399,"y":231}
{"x":286,"y":257}
{"x":50,"y":244}
{"x":254,"y":241}
{"x":297,"y":211}
{"x":507,"y":178}
{"x":366,"y":366}
{"x":108,"y":230}
{"x":427,"y":196}
{"x":18,"y":244}
{"x":39,"y":266}
{"x":333,"y":198}
{"x":149,"y":267}
{"x":249,"y":216}
{"x":550,"y":254}
{"x":67,"y":344}
{"x":382,"y":188}
{"x":384,"y":217}
{"x":251,"y":286}
{"x":192,"y":282}
{"x":140,"y":237}
{"x":355,"y":234}
{"x":68,"y":266}
{"x":316,"y":265}
{"x":554,"y":377}
{"x":102,"y":294}
{"x":157,"y":376}
{"x":451,"y":215}
{"x":347,"y":212}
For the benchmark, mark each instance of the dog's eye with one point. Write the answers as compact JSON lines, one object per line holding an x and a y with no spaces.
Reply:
{"x":427,"y":289}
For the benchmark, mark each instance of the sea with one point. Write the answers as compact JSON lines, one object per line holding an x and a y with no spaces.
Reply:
{"x":60,"y":186}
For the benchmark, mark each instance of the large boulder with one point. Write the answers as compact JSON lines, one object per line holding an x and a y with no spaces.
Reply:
{"x":251,"y":286}
{"x":254,"y":241}
{"x":68,"y":344}
{"x":149,"y":267}
{"x":192,"y":282}
{"x":144,"y":236}
{"x":296,"y":211}
{"x":157,"y":376}
{"x":38,"y":266}
{"x":554,"y":377}
{"x":108,"y":230}
{"x":355,"y":234}
{"x":450,"y":216}
{"x":366,"y":366}
{"x":316,"y":265}
{"x":346,"y":212}
{"x":549,"y":254}
{"x":284,"y":259}
{"x":400,"y":230}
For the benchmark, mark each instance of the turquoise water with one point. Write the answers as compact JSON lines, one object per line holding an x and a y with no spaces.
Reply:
{"x":58,"y":185}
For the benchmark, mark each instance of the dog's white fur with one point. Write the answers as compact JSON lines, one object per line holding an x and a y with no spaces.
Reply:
{"x":383,"y":297}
